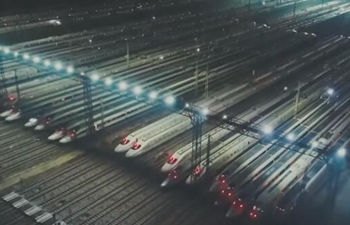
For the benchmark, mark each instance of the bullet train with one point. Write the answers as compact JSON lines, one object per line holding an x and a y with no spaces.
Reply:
{"x":179,"y":165}
{"x":313,"y":179}
{"x":221,"y":155}
{"x":237,"y":145}
{"x":267,"y":200}
{"x":102,"y":119}
{"x":278,"y":178}
{"x":161,"y":131}
{"x":183,"y":155}
{"x":66,"y":123}
{"x":252,"y":164}
{"x":129,"y":141}
{"x":146,"y":143}
{"x":40,"y":105}
{"x":222,"y":183}
{"x":70,"y":111}
{"x":262,"y":175}
{"x":285,"y":112}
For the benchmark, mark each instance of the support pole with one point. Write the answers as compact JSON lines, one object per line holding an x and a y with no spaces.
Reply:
{"x":127,"y":55}
{"x":3,"y":90}
{"x":71,"y":51}
{"x":207,"y":83}
{"x":297,"y":100}
{"x":102,"y":112}
{"x":197,"y":78}
{"x":208,"y":155}
{"x":197,"y":121}
{"x":17,"y":90}
{"x":89,"y":116}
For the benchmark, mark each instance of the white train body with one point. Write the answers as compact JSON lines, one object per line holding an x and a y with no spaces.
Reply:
{"x":280,"y":183}
{"x":65,"y":113}
{"x":6,"y":113}
{"x":223,"y":154}
{"x":170,"y":131}
{"x":315,"y":177}
{"x":183,"y":155}
{"x":269,"y":197}
{"x":232,"y":148}
{"x":105,"y":119}
{"x":268,"y":119}
{"x":276,"y":175}
{"x":145,"y":132}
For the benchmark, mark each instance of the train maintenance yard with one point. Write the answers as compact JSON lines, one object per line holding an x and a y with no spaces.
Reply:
{"x":175,"y":112}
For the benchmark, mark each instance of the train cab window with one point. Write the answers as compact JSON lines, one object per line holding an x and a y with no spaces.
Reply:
{"x":11,"y":98}
{"x":136,"y":146}
{"x":125,"y":141}
{"x":172,"y":160}
{"x":197,"y":171}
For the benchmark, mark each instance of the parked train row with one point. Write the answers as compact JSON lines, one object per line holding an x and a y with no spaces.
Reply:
{"x":222,"y":59}
{"x":57,"y":16}
{"x":151,"y":136}
{"x":268,"y":176}
{"x":237,"y":146}
{"x":45,"y":110}
{"x":63,"y":84}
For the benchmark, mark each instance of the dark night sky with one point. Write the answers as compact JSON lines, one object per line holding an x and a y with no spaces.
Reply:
{"x":16,"y":6}
{"x":27,"y":5}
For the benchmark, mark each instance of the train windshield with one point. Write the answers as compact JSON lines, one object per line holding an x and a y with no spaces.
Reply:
{"x":172,"y":160}
{"x":197,"y":171}
{"x":125,"y":141}
{"x":136,"y":146}
{"x":12,"y":98}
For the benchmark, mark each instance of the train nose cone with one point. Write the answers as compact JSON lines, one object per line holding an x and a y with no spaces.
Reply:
{"x":55,"y":136}
{"x":130,"y":154}
{"x":39,"y":127}
{"x":169,"y":182}
{"x":165,"y":168}
{"x":122,"y":148}
{"x":13,"y":117}
{"x":165,"y":183}
{"x":31,"y":123}
{"x":66,"y":140}
{"x":190,"y":180}
{"x":5,"y":113}
{"x":28,"y":124}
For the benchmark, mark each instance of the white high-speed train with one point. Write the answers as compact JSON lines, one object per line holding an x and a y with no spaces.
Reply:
{"x":146,"y":132}
{"x":145,"y":144}
{"x":179,"y":164}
